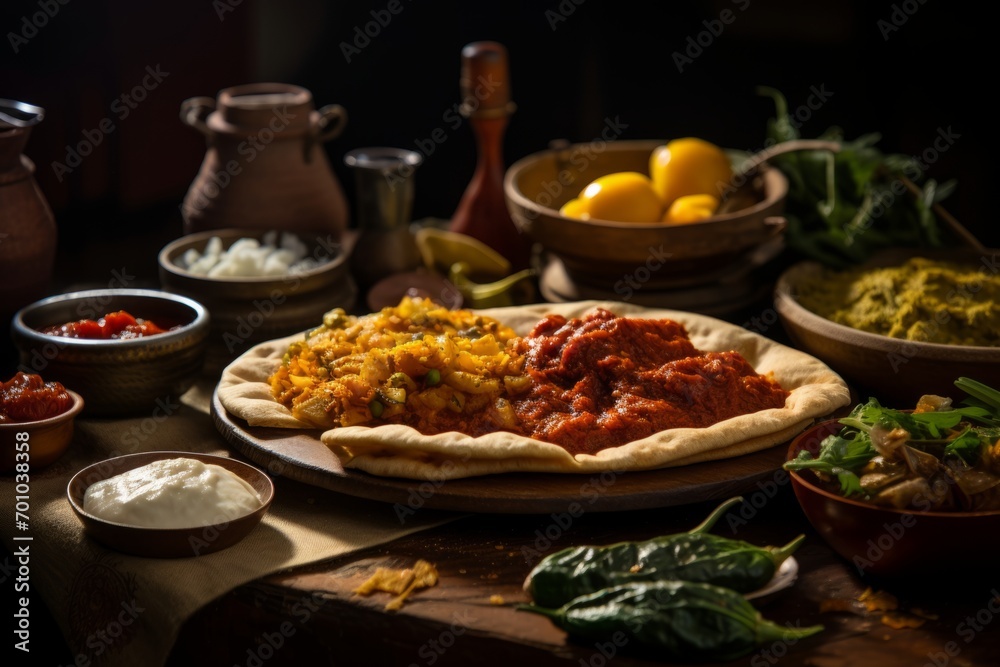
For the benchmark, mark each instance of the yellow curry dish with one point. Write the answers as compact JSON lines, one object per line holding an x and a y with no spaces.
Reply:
{"x":921,"y":300}
{"x":454,"y":369}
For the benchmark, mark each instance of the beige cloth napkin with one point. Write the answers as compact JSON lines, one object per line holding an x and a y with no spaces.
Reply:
{"x":117,"y":609}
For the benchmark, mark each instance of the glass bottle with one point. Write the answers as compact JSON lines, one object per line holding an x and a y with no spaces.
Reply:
{"x":482,"y":212}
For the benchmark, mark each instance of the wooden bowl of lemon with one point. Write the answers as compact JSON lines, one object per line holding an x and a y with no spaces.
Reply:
{"x":675,"y":207}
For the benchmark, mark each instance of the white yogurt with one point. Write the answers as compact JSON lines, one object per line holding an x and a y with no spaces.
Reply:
{"x":172,"y":493}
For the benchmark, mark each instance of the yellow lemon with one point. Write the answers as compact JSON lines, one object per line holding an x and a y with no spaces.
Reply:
{"x":626,"y":196}
{"x":691,"y":208}
{"x":575,"y":208}
{"x":689,"y":166}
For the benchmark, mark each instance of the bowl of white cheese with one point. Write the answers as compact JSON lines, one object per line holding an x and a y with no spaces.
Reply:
{"x":258,"y":285}
{"x":170,"y":504}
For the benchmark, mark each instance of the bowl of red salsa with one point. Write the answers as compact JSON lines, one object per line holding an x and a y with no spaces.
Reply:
{"x":126,"y":351}
{"x":36,"y":421}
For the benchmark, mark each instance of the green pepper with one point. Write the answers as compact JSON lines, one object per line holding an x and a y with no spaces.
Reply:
{"x":679,"y":619}
{"x":692,"y":556}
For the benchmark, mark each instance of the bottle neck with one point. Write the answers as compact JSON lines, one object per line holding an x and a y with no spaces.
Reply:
{"x":489,"y":133}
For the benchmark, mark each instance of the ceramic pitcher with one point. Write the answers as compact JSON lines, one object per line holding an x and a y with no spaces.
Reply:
{"x":265,"y":167}
{"x":28,"y":233}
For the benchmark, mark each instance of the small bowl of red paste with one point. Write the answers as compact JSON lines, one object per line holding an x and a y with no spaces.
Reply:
{"x":36,"y":422}
{"x":119,"y":325}
{"x":128,"y":352}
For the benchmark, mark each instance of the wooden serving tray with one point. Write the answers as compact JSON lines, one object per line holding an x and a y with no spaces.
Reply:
{"x":299,"y":455}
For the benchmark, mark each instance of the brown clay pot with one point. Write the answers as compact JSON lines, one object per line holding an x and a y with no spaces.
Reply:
{"x":28,"y":233}
{"x":265,"y":167}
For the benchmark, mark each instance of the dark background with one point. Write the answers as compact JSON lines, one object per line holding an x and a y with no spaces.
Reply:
{"x":609,"y":58}
{"x":606,"y":59}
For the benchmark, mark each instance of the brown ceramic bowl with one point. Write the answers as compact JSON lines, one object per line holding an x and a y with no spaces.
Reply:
{"x":246,"y":311}
{"x":897,"y":372}
{"x":47,"y":439}
{"x":888,"y":542}
{"x":167,"y":542}
{"x":600,"y":252}
{"x":116,"y":377}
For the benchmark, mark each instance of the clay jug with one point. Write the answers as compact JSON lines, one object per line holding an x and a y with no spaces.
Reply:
{"x":265,"y":167}
{"x":28,"y":233}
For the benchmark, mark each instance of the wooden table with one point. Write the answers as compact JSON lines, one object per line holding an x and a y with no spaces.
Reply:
{"x":311,"y":616}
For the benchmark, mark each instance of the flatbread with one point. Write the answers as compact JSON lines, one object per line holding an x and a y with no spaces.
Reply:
{"x":401,"y":451}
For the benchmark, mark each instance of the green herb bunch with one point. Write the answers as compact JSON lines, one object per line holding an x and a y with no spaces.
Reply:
{"x":845,"y":205}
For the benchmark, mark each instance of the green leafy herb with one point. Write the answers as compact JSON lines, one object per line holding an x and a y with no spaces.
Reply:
{"x":981,"y":398}
{"x":842,"y":207}
{"x":947,"y":432}
{"x":968,"y":446}
{"x":840,"y":456}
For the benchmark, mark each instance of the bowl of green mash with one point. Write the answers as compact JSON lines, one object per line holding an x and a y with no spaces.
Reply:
{"x":904,"y":324}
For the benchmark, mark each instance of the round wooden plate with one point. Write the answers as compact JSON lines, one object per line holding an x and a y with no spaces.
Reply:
{"x":299,"y":455}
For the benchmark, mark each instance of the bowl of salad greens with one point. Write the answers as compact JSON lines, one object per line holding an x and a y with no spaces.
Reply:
{"x":899,"y":492}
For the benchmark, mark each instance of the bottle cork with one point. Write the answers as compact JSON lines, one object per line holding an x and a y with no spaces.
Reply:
{"x":485,"y":80}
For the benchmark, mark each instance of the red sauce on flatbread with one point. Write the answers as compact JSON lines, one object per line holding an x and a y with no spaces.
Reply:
{"x":602,"y":381}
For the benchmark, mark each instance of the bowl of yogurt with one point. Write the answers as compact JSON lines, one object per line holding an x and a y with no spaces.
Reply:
{"x":170,"y":504}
